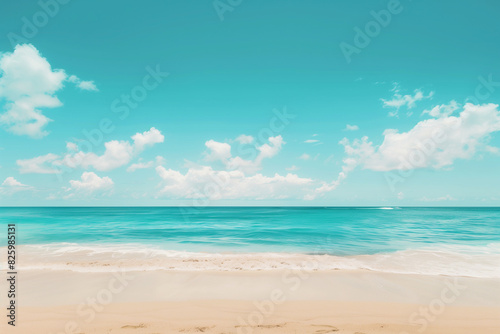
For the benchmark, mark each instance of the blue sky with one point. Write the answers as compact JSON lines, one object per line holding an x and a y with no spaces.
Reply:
{"x":254,"y":103}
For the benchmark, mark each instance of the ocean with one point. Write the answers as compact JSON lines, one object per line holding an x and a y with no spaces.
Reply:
{"x":430,"y":241}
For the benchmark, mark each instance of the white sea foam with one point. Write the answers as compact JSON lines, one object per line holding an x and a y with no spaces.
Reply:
{"x":452,"y":260}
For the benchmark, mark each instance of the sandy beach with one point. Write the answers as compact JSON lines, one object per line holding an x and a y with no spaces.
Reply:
{"x":275,"y":301}
{"x":249,"y":167}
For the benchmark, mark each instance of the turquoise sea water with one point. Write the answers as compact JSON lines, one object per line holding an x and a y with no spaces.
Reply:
{"x":387,"y":234}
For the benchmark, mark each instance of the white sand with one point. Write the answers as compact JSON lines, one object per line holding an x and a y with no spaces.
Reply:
{"x":253,"y":302}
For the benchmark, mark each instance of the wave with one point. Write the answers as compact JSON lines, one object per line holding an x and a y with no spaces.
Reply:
{"x":379,"y":208}
{"x":450,"y":260}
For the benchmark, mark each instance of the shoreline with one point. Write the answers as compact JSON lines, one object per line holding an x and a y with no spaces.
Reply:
{"x":445,"y":260}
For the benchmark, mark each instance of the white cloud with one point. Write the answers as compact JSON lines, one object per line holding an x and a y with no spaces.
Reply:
{"x":10,"y":186}
{"x":446,"y":198}
{"x":143,"y":165}
{"x":401,"y":195}
{"x":147,"y":138}
{"x":204,"y":182}
{"x":271,"y":149}
{"x":311,"y":141}
{"x":443,"y":110}
{"x":12,"y":182}
{"x":397,"y":101}
{"x":90,"y":183}
{"x":71,"y":146}
{"x":330,"y":159}
{"x":439,"y":199}
{"x":435,"y":142}
{"x":305,"y":156}
{"x":292,"y":168}
{"x":160,"y":160}
{"x":327,"y":187}
{"x":28,"y":84}
{"x":39,"y":165}
{"x":349,"y":127}
{"x":432,"y":143}
{"x":140,"y":165}
{"x":238,"y":180}
{"x":218,"y":151}
{"x":244,"y":139}
{"x":116,"y":154}
{"x":85,"y":85}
